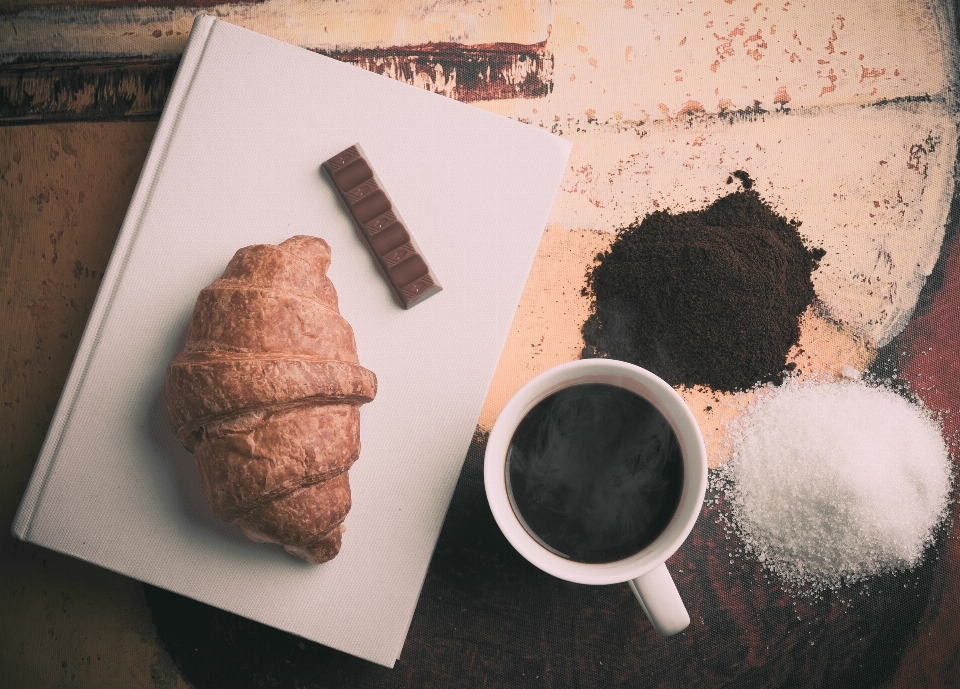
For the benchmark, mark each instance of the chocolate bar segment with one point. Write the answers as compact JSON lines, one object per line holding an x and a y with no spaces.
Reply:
{"x":378,"y":222}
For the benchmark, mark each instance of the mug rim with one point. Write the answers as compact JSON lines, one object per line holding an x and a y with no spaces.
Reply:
{"x":667,"y":401}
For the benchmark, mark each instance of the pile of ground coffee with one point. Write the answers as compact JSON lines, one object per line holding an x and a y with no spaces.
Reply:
{"x":710,"y":297}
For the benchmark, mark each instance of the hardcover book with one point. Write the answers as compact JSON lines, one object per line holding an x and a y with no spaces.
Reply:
{"x":236,"y":161}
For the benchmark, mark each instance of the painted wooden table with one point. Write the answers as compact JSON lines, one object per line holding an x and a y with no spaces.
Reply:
{"x":845,"y":116}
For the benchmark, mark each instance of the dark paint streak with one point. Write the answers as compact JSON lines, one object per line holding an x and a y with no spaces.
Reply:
{"x":41,"y":92}
{"x":33,"y":90}
{"x":22,"y":5}
{"x":490,"y":71}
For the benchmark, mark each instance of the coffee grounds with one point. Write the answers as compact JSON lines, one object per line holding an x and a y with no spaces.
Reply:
{"x":710,"y":297}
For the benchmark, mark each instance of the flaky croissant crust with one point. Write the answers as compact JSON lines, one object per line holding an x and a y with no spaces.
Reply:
{"x":266,"y":394}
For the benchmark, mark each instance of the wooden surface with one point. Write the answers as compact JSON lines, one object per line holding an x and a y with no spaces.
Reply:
{"x":63,"y":191}
{"x":67,"y":623}
{"x":487,"y":618}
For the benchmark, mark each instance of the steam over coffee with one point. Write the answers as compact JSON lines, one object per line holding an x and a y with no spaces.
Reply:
{"x":594,"y":473}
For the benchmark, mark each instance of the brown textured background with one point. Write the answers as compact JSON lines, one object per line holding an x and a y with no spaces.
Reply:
{"x":486,"y":617}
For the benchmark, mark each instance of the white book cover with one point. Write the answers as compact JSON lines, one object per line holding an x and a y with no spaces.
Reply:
{"x":235,"y":162}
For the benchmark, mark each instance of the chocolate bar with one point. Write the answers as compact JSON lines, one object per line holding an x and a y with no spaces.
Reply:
{"x":381,"y":227}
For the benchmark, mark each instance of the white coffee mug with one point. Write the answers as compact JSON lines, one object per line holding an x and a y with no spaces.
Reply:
{"x":645,"y":571}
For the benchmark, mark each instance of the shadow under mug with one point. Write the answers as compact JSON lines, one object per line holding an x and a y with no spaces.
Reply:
{"x":645,"y":570}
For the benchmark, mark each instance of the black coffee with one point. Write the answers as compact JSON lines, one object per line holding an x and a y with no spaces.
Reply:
{"x":594,"y":473}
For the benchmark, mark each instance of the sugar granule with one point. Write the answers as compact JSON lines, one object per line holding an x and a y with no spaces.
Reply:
{"x":836,"y":481}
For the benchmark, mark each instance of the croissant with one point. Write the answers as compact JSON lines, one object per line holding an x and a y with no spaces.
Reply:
{"x":267,"y":395}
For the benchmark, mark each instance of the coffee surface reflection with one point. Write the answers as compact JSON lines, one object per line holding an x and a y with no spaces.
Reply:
{"x":594,"y":473}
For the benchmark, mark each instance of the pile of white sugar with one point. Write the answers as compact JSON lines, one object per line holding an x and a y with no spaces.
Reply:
{"x":836,"y":481}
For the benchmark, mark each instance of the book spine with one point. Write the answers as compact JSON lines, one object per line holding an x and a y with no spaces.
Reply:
{"x":192,"y":56}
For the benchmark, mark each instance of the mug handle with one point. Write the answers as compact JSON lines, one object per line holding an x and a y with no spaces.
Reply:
{"x":660,"y":600}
